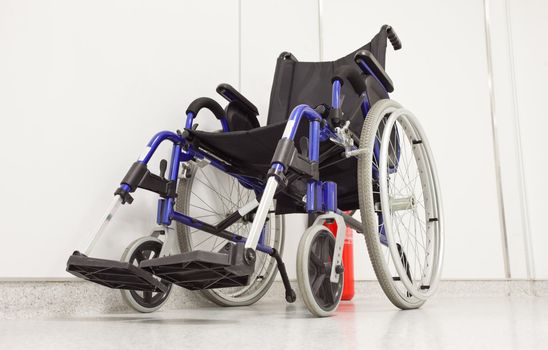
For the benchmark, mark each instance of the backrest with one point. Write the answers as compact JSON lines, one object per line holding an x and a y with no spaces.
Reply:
{"x":310,"y":82}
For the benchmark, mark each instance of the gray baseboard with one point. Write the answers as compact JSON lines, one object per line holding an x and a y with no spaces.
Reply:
{"x":33,"y":299}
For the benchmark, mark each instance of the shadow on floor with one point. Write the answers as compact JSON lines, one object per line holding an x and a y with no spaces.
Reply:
{"x":147,"y":320}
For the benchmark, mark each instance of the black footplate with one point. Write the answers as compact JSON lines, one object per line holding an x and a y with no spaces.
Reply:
{"x":199,"y":269}
{"x":113,"y":274}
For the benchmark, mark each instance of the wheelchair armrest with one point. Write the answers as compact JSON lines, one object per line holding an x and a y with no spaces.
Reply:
{"x":364,"y":57}
{"x":231,"y":94}
{"x":207,"y":103}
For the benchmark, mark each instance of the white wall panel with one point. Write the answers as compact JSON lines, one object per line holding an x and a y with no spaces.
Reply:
{"x":83,"y":87}
{"x":268,"y":29}
{"x":508,"y":138}
{"x":441,"y":75}
{"x":528,"y":19}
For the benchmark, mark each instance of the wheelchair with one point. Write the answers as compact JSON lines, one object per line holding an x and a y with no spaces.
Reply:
{"x":335,"y":147}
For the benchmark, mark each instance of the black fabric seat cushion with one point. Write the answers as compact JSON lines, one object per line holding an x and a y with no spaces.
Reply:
{"x":246,"y":149}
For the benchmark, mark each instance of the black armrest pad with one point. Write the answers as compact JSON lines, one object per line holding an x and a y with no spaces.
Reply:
{"x":231,"y":94}
{"x":207,"y":103}
{"x":376,"y":68}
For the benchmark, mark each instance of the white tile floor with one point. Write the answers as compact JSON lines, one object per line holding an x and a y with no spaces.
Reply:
{"x":443,"y":323}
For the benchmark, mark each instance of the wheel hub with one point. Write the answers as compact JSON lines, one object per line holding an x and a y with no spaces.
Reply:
{"x":402,"y":203}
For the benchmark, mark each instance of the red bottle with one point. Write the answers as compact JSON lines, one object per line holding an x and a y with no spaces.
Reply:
{"x":348,"y":259}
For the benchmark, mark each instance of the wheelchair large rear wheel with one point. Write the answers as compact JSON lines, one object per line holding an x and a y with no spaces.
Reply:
{"x":210,"y":195}
{"x":400,"y":205}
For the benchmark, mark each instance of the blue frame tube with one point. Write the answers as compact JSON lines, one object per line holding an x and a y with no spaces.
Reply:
{"x":224,"y":124}
{"x":198,"y":224}
{"x":336,"y":94}
{"x":365,"y":105}
{"x":314,"y":138}
{"x":189,"y":120}
{"x":311,"y":196}
{"x":157,"y":140}
{"x":295,"y":118}
{"x":167,"y":206}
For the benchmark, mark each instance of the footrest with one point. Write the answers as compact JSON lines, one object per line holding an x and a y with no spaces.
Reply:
{"x":199,"y":269}
{"x":113,"y":274}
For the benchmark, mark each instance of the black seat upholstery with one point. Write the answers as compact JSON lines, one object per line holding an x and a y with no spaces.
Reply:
{"x":249,"y":148}
{"x":250,"y":152}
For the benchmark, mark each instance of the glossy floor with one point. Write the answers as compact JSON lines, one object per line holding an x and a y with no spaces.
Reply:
{"x":443,"y":323}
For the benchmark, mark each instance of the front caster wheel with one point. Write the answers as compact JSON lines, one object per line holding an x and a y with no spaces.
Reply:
{"x":314,"y":264}
{"x":144,"y":248}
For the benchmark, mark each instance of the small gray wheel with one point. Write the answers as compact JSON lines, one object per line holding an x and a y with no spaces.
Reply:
{"x":314,"y":264}
{"x":144,"y":248}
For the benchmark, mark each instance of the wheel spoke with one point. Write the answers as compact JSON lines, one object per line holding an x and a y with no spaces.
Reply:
{"x":211,"y":194}
{"x":147,"y":296}
{"x":139,"y":256}
{"x":326,"y":250}
{"x":315,"y":260}
{"x":318,"y":282}
{"x":328,"y":291}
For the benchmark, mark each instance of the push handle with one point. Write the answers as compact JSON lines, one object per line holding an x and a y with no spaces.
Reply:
{"x":393,"y":37}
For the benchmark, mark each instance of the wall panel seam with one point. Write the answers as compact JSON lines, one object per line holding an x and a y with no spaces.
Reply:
{"x":522,"y":186}
{"x":496,"y":150}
